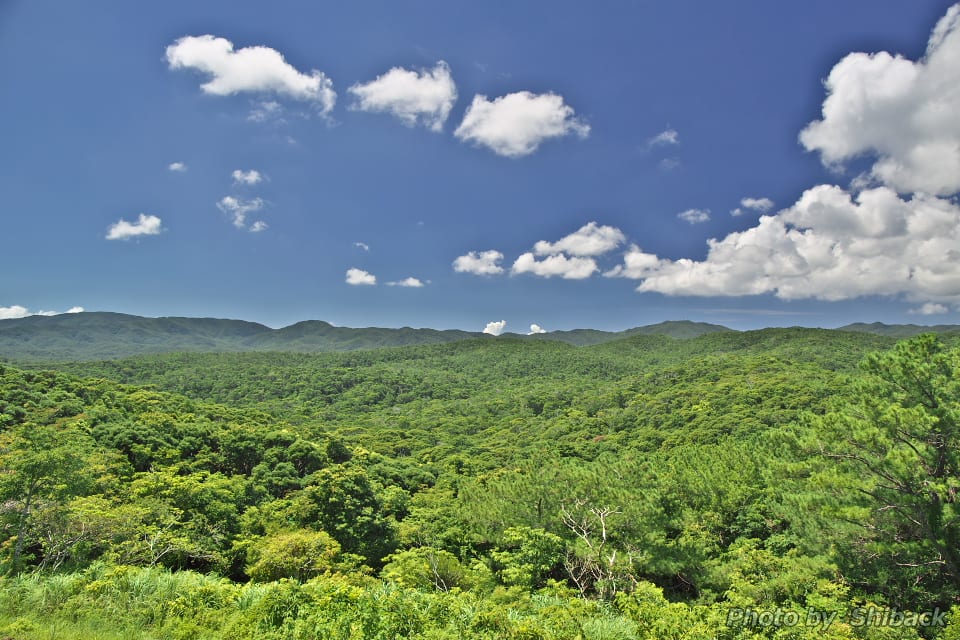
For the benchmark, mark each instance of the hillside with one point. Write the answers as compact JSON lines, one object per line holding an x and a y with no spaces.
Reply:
{"x":459,"y":489}
{"x":104,"y":335}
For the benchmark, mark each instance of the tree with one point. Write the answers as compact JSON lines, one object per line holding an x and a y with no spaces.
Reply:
{"x":898,"y":437}
{"x":39,"y":464}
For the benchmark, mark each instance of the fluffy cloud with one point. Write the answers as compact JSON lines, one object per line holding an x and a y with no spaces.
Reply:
{"x":251,"y":69}
{"x":406,"y":282}
{"x":930,"y":308}
{"x":144,"y":226}
{"x":835,"y":244}
{"x":15,"y":311}
{"x":481,"y":263}
{"x":589,"y":240}
{"x":360,"y":277}
{"x":667,"y":137}
{"x":763,"y":205}
{"x":18,"y":311}
{"x":636,"y":264}
{"x":575,"y":268}
{"x":362,"y":245}
{"x":425,"y":96}
{"x":495,"y":328}
{"x":177,"y":166}
{"x":902,"y":111}
{"x":694,"y":216}
{"x":535,"y":328}
{"x":248,"y":178}
{"x":238,"y":209}
{"x":757,"y":204}
{"x":829,"y":245}
{"x":516,"y":124}
{"x":258,"y":226}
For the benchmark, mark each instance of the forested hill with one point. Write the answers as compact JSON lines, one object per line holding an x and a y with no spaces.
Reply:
{"x":103,"y":335}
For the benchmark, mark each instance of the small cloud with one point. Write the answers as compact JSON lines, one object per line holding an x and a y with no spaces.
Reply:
{"x":930,"y":309}
{"x":362,"y":245}
{"x":495,"y":328}
{"x":589,"y":240}
{"x":177,"y":167}
{"x":18,"y":311}
{"x":669,"y":164}
{"x":424,"y":97}
{"x":255,"y":69}
{"x":694,"y":216}
{"x":481,"y":263}
{"x":535,"y":328}
{"x":258,"y":226}
{"x":575,"y":268}
{"x":360,"y":277}
{"x":516,"y":124}
{"x":406,"y":282}
{"x":762,"y":205}
{"x":665,"y":138}
{"x":15,"y":311}
{"x":144,"y":226}
{"x":238,"y":209}
{"x":248,"y":178}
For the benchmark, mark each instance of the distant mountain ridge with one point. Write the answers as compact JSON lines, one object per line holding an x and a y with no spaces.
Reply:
{"x":899,"y":330}
{"x":100,"y":335}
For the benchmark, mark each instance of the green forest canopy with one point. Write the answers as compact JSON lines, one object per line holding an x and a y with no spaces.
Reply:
{"x":643,"y":487}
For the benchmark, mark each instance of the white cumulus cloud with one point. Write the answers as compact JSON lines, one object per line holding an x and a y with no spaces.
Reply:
{"x":568,"y":268}
{"x":178,"y":167}
{"x":424,"y":97}
{"x":481,"y":263}
{"x":829,"y":245}
{"x":516,"y":124}
{"x":901,"y":111}
{"x":407,"y":282}
{"x":694,"y":216}
{"x":360,"y":277}
{"x":255,"y":69}
{"x":258,"y":226}
{"x":146,"y":225}
{"x":535,"y":328}
{"x":873,"y":239}
{"x":589,"y":240}
{"x":248,"y":178}
{"x":362,"y":245}
{"x":495,"y":328}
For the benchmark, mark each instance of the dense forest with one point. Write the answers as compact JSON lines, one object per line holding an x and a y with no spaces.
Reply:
{"x":783,"y":483}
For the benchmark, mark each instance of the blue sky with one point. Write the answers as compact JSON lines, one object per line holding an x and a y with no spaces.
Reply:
{"x":554,"y":163}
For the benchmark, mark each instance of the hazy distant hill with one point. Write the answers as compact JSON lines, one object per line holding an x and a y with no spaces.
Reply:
{"x":899,"y":330}
{"x":104,"y":335}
